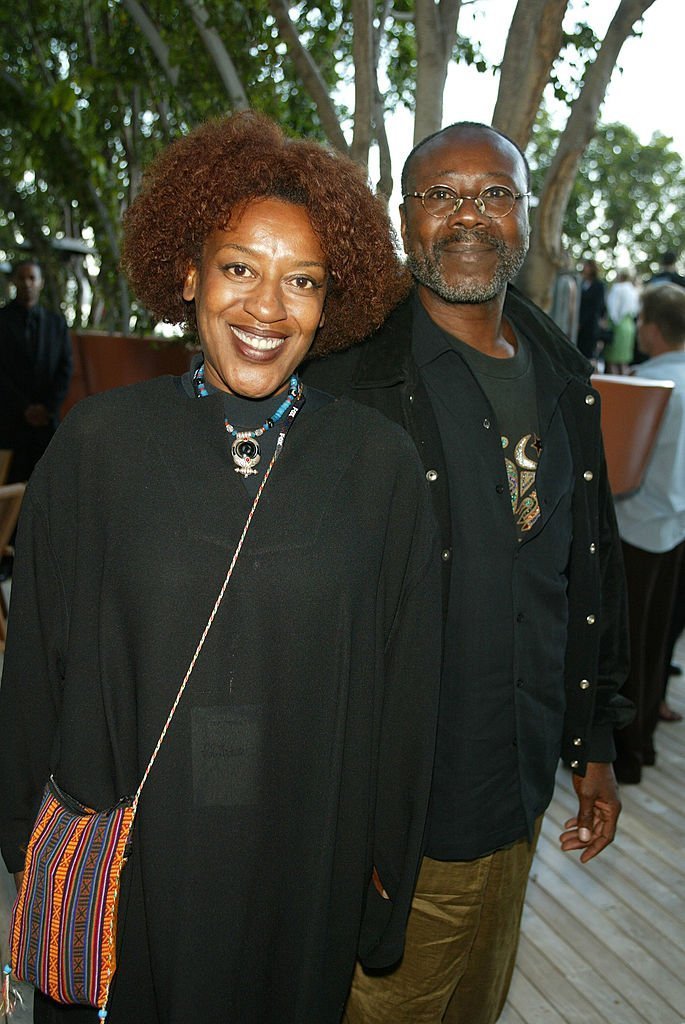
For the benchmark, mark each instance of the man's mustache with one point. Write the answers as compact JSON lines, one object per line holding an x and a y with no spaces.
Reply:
{"x":476,"y":235}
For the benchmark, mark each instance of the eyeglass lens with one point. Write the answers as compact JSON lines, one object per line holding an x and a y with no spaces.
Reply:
{"x":493,"y":202}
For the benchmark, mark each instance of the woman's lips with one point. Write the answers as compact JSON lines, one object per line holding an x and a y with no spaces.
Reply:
{"x":259,"y":342}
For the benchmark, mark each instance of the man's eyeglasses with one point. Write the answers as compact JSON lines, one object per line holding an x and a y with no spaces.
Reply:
{"x":442,"y":201}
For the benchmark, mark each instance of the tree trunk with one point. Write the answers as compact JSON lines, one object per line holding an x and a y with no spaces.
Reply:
{"x":364,"y":80}
{"x":436,"y":29}
{"x":533,"y":43}
{"x":103,"y":222}
{"x":546,"y":258}
{"x":310,"y":75}
{"x":384,"y":185}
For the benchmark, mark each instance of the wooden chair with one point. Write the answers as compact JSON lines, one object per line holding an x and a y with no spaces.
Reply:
{"x":5,"y":462}
{"x":11,"y":496}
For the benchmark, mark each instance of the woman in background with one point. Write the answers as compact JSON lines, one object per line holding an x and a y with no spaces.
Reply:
{"x":623,"y":304}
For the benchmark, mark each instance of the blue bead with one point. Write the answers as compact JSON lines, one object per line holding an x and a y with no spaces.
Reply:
{"x":7,"y":969}
{"x":102,"y":1013}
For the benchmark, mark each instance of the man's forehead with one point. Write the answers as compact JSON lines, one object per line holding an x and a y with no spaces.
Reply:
{"x":456,"y":151}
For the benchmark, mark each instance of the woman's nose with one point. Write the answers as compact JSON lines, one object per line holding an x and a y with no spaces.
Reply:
{"x":265,"y":303}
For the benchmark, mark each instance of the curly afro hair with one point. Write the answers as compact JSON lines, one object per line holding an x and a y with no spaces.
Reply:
{"x":196,"y":185}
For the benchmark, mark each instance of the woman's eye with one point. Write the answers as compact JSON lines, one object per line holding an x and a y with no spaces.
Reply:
{"x":303,"y":283}
{"x":237,"y":270}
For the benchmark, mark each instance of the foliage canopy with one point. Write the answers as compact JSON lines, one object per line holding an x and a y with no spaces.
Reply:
{"x":92,"y":90}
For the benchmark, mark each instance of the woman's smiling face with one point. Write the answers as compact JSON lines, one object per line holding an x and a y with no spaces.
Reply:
{"x":259,"y":294}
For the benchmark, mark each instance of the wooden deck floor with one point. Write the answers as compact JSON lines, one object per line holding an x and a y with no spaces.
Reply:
{"x":602,"y":943}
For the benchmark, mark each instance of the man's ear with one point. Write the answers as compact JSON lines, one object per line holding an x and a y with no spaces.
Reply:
{"x":403,"y":225}
{"x":189,"y":284}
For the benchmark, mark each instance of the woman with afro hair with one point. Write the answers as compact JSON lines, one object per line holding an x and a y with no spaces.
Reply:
{"x":279,"y":830}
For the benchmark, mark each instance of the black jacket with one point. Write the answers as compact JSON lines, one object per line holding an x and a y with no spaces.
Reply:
{"x":40,"y":377}
{"x":381,"y":372}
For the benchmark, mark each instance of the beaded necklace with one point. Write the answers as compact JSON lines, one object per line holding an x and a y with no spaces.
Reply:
{"x":245,"y":450}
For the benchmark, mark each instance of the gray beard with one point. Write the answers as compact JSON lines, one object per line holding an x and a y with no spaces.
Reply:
{"x":427,"y":270}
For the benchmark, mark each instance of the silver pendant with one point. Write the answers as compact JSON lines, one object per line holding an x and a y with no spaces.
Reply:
{"x":246,"y":454}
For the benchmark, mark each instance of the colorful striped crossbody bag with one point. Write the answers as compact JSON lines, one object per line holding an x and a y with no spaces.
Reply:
{"x":64,"y":924}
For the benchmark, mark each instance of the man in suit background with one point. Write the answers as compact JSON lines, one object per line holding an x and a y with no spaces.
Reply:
{"x":35,"y":370}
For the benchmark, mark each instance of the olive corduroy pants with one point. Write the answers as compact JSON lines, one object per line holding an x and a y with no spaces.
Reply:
{"x":461,"y":944}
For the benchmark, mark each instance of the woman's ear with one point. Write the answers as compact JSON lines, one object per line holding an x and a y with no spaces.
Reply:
{"x":189,"y":284}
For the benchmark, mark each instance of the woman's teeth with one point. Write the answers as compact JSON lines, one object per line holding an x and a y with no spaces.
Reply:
{"x":257,"y":341}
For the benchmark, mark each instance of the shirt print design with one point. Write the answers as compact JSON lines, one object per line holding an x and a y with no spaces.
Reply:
{"x":521,"y":460}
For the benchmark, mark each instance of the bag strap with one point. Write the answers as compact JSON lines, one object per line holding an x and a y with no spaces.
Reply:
{"x":279,"y":448}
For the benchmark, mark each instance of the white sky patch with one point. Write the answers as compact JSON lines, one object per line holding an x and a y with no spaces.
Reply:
{"x":644,"y":93}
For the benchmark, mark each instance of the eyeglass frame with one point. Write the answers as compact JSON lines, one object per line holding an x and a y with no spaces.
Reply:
{"x":459,"y":200}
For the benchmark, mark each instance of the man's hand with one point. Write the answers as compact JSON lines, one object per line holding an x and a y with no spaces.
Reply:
{"x":598,"y":811}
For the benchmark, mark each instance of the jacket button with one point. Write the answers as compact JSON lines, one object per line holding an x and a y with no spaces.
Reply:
{"x":584,"y":684}
{"x":446,"y":555}
{"x":577,"y":742}
{"x":411,"y":398}
{"x":499,"y":488}
{"x":574,"y":764}
{"x":431,"y":475}
{"x":593,"y":548}
{"x":589,"y":399}
{"x":590,"y":620}
{"x":486,"y":423}
{"x":587,"y":475}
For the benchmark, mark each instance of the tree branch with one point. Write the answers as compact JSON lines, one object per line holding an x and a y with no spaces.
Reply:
{"x":153,"y":37}
{"x":310,"y":75}
{"x":220,"y":56}
{"x":545,"y":255}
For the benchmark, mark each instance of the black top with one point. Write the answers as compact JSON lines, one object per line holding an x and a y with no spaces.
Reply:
{"x":382,"y":373}
{"x":301,"y":752}
{"x":509,"y":386}
{"x":249,"y":414}
{"x":506,"y":624}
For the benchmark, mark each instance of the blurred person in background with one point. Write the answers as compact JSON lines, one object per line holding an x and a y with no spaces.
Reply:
{"x":668,"y":271}
{"x":623,"y":302}
{"x":35,"y":371}
{"x":651,"y":524}
{"x":592,"y":309}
